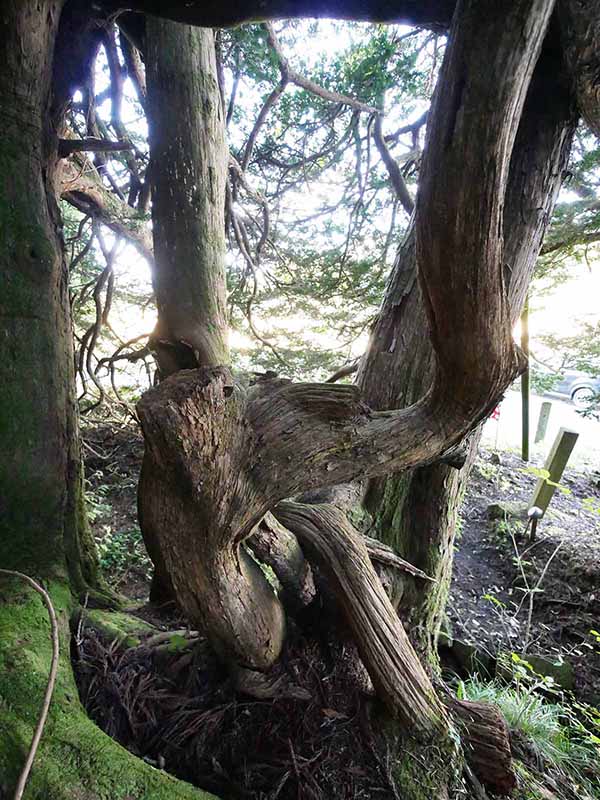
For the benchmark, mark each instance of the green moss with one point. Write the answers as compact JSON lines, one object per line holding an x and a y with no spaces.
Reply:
{"x":117,"y":625}
{"x":75,"y":760}
{"x":423,"y":772}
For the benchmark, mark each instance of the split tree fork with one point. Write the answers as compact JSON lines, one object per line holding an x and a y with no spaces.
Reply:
{"x":220,"y":455}
{"x":46,"y":49}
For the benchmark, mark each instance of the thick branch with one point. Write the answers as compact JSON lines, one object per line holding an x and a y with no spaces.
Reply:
{"x":459,"y":218}
{"x":82,"y":187}
{"x":90,"y":145}
{"x":393,"y":169}
{"x":435,"y":14}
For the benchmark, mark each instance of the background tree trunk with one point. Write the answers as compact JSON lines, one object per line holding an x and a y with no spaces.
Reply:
{"x":415,"y":512}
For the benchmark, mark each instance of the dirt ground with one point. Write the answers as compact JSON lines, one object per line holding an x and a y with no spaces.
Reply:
{"x":490,"y":602}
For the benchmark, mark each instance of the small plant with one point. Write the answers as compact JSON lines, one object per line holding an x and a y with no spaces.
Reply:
{"x":487,"y":470}
{"x":96,"y":503}
{"x":591,"y":504}
{"x":120,"y":552}
{"x":538,"y":472}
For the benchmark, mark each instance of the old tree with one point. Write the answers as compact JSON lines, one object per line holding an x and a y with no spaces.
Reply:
{"x":224,"y":455}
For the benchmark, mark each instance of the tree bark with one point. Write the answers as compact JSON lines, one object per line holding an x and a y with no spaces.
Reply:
{"x":43,"y":532}
{"x":415,"y":512}
{"x":42,"y":525}
{"x":189,"y":168}
{"x":580,"y":35}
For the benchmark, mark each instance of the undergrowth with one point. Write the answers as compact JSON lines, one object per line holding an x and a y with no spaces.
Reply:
{"x":556,"y":737}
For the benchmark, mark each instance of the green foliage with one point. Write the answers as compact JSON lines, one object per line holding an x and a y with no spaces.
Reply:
{"x":544,"y":474}
{"x":334,"y":219}
{"x":96,"y":503}
{"x":575,"y":225}
{"x":542,"y":381}
{"x":121,"y":551}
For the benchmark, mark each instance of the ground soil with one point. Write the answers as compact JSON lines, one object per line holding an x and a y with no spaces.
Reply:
{"x":489,"y":602}
{"x":113,"y":456}
{"x":181,"y":712}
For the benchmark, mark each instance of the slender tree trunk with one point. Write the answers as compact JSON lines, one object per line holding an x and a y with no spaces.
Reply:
{"x":189,"y":157}
{"x":189,"y":169}
{"x":415,"y":512}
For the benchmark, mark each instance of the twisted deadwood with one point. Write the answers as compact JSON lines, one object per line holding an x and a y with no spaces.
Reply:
{"x":219,"y":455}
{"x":332,"y":543}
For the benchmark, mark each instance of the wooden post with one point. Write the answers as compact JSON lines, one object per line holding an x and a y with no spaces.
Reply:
{"x":525,"y":383}
{"x":555,"y":465}
{"x":542,"y":426}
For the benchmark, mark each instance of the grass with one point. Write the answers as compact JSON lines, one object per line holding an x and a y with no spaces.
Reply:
{"x":566,"y":750}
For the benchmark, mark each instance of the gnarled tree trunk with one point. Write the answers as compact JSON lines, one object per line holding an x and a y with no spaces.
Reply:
{"x":415,"y":512}
{"x":227,"y":454}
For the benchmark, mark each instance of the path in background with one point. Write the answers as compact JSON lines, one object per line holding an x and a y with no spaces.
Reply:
{"x":507,"y":431}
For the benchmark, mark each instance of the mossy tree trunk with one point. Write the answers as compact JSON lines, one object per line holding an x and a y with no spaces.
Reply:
{"x":40,"y":466}
{"x":415,"y":512}
{"x":43,"y":532}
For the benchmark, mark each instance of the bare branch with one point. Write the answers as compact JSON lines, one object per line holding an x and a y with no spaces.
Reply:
{"x":311,"y":86}
{"x":80,"y":185}
{"x":343,"y":372}
{"x":260,"y":120}
{"x":393,"y":169}
{"x":90,"y":145}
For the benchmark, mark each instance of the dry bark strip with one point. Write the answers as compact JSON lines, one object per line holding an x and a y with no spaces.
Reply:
{"x":486,"y":743}
{"x":398,"y":677}
{"x":331,"y":542}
